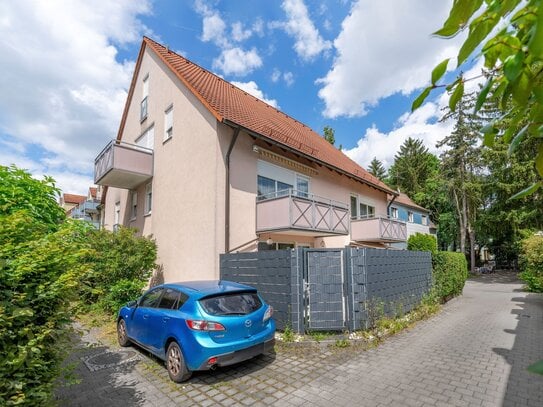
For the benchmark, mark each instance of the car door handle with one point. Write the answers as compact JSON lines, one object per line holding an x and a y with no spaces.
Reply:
{"x":146,"y":316}
{"x":165,"y":319}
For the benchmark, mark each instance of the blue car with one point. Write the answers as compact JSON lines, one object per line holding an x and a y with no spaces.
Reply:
{"x":198,"y":325}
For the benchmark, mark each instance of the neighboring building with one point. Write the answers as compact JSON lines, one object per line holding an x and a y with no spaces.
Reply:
{"x":206,"y":168}
{"x":88,"y":208}
{"x":416,"y":217}
{"x":70,"y":201}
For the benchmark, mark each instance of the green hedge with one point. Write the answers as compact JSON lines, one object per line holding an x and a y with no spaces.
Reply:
{"x":422,"y":242}
{"x":450,"y":271}
{"x":531,"y":263}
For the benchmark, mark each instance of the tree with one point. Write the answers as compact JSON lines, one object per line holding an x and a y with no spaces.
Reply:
{"x":513,"y":59}
{"x":413,"y":165}
{"x":329,"y":134}
{"x":376,"y":169}
{"x":40,"y":259}
{"x":461,"y":165}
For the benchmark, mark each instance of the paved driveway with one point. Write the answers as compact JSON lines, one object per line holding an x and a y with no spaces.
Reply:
{"x":474,"y":353}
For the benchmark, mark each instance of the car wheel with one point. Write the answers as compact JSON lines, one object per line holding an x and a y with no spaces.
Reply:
{"x":122,"y":336}
{"x":175,"y":363}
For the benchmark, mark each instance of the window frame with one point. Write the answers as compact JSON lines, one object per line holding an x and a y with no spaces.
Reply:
{"x":394,"y":212}
{"x":359,"y":203}
{"x":148,"y":293}
{"x":410,"y":216}
{"x":144,"y":98}
{"x":148,"y":206}
{"x":168,"y":130}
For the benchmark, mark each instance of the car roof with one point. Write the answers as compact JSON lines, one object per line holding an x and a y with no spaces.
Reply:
{"x":204,"y":288}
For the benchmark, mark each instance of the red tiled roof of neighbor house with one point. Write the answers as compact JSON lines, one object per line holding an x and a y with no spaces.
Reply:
{"x":231,"y":105}
{"x":72,"y":198}
{"x":405,"y":200}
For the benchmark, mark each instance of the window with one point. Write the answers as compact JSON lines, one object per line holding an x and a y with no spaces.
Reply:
{"x":134,"y":206}
{"x":424,"y":220}
{"x":151,"y":299}
{"x":361,"y":210}
{"x":147,"y":139}
{"x":170,"y":299}
{"x":302,"y":185}
{"x":262,"y":246}
{"x":269,"y":188}
{"x":394,"y":213}
{"x":410,"y":216}
{"x":168,"y":123}
{"x":148,"y":198}
{"x":143,"y":110}
{"x":231,"y":304}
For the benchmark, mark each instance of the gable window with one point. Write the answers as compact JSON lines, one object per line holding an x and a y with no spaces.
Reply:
{"x":270,"y":188}
{"x":394,"y":213}
{"x":168,"y":123}
{"x":148,"y":198}
{"x":424,"y":220}
{"x":145,"y":95}
{"x":410,"y":216}
{"x":360,"y":209}
{"x":134,"y":206}
{"x":147,"y":139}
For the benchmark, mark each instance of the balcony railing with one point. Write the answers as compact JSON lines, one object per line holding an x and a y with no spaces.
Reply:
{"x":297,"y":210}
{"x":378,"y":229}
{"x":123,"y":165}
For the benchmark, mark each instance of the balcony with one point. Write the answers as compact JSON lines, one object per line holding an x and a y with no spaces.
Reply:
{"x":90,"y":206}
{"x":378,"y":229}
{"x":123,"y":165}
{"x":297,"y":212}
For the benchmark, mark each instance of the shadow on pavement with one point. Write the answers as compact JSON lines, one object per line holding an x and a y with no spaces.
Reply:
{"x":498,"y":277}
{"x":525,"y":388}
{"x":103,"y":375}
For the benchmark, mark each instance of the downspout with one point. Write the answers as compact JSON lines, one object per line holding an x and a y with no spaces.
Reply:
{"x":227,"y":192}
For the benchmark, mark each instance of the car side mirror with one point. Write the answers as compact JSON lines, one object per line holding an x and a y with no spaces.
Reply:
{"x":133,"y":303}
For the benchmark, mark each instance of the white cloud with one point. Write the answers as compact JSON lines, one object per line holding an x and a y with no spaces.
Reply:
{"x":308,"y":42}
{"x":213,"y":29}
{"x":239,"y":33}
{"x":385,"y":47}
{"x":288,"y":77}
{"x":276,"y":75}
{"x":236,"y":61}
{"x":421,"y":124}
{"x":252,"y":88}
{"x":63,"y":89}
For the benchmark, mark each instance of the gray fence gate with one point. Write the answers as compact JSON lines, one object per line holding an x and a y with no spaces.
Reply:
{"x":332,"y":289}
{"x":323,"y":286}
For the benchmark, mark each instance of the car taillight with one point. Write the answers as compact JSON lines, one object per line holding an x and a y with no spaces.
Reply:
{"x":200,"y":325}
{"x":268,"y":314}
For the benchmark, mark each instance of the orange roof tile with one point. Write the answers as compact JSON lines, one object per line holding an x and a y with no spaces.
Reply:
{"x":405,"y":200}
{"x":231,"y":105}
{"x":75,"y":199}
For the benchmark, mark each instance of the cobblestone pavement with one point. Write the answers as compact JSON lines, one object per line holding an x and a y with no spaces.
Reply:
{"x":474,"y":353}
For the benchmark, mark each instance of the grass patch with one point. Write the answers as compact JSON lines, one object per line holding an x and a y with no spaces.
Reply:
{"x":104,"y":326}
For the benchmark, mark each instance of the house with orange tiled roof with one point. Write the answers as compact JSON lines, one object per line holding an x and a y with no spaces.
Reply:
{"x":206,"y":168}
{"x":70,"y":201}
{"x":416,"y":217}
{"x":85,"y":208}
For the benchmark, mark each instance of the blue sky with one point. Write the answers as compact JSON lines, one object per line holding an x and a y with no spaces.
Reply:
{"x":353,"y":65}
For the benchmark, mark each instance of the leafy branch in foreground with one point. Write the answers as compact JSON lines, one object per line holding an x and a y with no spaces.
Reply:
{"x":513,"y":61}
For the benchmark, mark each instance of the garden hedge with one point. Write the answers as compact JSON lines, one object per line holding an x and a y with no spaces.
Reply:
{"x":531,"y":263}
{"x":450,"y":271}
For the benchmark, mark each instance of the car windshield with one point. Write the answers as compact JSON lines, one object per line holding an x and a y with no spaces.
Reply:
{"x":231,"y":304}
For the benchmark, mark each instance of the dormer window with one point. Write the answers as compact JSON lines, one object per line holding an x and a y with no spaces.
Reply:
{"x":145,"y":95}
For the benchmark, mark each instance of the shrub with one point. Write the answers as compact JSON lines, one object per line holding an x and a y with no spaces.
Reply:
{"x":531,"y":262}
{"x":120,"y":293}
{"x":122,"y":263}
{"x":422,"y":242}
{"x":450,"y":271}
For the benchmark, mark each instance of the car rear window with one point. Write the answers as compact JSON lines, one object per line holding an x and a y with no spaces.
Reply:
{"x":231,"y":304}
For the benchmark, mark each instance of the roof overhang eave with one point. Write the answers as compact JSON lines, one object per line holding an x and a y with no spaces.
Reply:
{"x":307,"y":156}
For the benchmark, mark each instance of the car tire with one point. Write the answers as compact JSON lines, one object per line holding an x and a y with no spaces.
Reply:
{"x":122,"y":335}
{"x":175,"y":363}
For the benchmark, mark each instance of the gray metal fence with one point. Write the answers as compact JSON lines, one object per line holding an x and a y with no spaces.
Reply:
{"x":332,"y":289}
